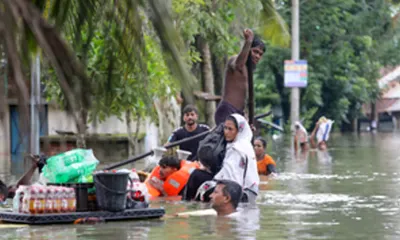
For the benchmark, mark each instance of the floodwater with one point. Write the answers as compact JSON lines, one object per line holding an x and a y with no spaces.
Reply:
{"x":351,"y":193}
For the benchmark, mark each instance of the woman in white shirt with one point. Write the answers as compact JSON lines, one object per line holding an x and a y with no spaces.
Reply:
{"x":239,"y":164}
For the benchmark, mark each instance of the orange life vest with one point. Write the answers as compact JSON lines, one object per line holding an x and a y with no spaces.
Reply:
{"x":175,"y":182}
{"x":262,"y":164}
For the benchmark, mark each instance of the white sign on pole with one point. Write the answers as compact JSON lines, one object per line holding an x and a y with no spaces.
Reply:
{"x":296,"y":73}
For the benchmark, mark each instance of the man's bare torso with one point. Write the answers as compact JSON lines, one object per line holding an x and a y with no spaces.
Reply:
{"x":235,"y":85}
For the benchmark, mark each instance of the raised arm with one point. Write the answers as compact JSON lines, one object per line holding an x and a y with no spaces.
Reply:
{"x":240,"y":60}
{"x":312,"y":138}
{"x":295,"y":143}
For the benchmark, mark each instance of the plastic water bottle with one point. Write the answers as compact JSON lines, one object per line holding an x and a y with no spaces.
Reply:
{"x":71,"y":200}
{"x":49,"y":200}
{"x":64,"y":201}
{"x":19,"y":198}
{"x":32,"y":200}
{"x":56,"y":199}
{"x":40,"y":199}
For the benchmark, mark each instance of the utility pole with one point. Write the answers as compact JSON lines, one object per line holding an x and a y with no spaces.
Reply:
{"x":35,"y":103}
{"x":295,"y":94}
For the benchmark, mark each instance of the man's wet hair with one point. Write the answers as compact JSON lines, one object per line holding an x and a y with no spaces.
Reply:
{"x":170,"y":161}
{"x":233,"y":190}
{"x":205,"y":156}
{"x":262,"y":140}
{"x":257,"y":42}
{"x":190,"y":108}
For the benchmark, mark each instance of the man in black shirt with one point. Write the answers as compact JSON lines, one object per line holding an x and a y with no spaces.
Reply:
{"x":191,"y":128}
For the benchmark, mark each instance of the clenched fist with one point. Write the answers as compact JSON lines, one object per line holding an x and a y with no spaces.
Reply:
{"x":248,"y":35}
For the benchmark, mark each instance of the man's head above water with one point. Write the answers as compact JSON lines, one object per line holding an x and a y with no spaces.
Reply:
{"x":168,"y":166}
{"x":322,"y":146}
{"x":190,"y":115}
{"x":226,"y":197}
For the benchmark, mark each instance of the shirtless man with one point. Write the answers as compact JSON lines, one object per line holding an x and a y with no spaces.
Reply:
{"x":238,"y":71}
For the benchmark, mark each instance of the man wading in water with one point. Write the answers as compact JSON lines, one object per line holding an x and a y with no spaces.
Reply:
{"x":238,"y":72}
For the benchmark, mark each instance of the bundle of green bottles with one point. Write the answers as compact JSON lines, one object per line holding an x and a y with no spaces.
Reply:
{"x":75,"y":166}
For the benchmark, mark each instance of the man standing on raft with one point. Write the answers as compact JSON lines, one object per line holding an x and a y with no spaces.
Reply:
{"x":237,"y":74}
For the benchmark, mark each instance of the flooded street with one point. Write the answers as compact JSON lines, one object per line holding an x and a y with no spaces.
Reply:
{"x":351,"y":193}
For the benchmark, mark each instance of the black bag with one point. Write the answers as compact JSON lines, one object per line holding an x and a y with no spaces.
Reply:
{"x":216,"y":142}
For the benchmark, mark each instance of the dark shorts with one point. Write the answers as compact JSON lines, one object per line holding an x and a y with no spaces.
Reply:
{"x":224,"y":110}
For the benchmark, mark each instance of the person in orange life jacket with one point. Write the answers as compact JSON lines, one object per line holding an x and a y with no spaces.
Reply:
{"x":191,"y":128}
{"x":199,"y":176}
{"x":168,"y":166}
{"x":265,"y":164}
{"x":226,"y":197}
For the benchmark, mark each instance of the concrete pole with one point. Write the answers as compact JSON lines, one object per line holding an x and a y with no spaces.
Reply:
{"x":35,"y":103}
{"x":38,"y":105}
{"x":295,"y":94}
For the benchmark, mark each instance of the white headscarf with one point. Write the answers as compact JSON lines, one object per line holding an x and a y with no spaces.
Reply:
{"x":238,"y":152}
{"x":242,"y":142}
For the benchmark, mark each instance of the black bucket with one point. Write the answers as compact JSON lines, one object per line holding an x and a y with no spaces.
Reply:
{"x":111,"y":190}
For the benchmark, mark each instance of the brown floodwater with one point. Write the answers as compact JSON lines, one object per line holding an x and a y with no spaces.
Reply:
{"x":351,"y":192}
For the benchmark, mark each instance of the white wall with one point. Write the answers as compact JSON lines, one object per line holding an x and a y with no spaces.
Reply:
{"x":60,"y":120}
{"x":168,"y":115}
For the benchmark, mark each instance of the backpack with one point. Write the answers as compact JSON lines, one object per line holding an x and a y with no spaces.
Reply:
{"x":215,"y":140}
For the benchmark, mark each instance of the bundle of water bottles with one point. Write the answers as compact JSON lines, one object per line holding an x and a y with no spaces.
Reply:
{"x":75,"y":166}
{"x":38,"y":199}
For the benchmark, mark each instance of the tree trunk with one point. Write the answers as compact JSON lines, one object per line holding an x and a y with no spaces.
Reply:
{"x":132,"y":139}
{"x":81,"y":126}
{"x":131,"y":145}
{"x":374,"y":116}
{"x":354,"y":125}
{"x":169,"y":115}
{"x":219,"y":67}
{"x":208,"y":80}
{"x":136,"y":136}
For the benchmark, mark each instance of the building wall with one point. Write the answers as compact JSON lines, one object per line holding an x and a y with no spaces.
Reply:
{"x":60,"y":120}
{"x":5,"y":152}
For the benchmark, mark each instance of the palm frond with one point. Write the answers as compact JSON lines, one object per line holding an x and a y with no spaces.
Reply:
{"x":14,"y":59}
{"x":273,"y":27}
{"x":71,"y":76}
{"x":170,"y":41}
